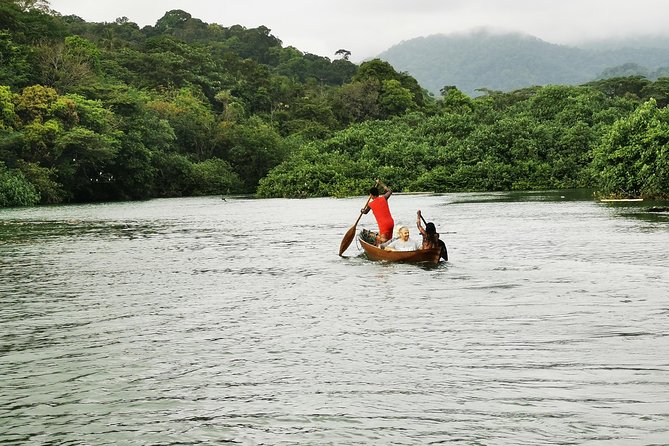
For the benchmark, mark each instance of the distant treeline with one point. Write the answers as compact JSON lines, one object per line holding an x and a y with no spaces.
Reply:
{"x":109,"y":111}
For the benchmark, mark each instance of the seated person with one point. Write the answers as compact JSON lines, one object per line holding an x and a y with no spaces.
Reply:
{"x":404,"y":243}
{"x":430,"y":236}
{"x":396,"y":235}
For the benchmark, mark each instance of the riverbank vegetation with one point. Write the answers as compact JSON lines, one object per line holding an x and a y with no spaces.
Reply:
{"x":109,"y":111}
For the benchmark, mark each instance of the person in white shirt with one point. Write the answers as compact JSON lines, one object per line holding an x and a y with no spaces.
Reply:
{"x":404,"y":243}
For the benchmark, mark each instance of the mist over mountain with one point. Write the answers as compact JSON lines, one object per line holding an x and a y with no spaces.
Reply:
{"x":509,"y":61}
{"x":615,"y":43}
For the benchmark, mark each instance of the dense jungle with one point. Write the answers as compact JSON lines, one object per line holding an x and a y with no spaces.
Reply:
{"x":110,"y":111}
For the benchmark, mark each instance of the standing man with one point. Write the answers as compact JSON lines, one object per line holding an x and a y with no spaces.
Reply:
{"x":381,"y":211}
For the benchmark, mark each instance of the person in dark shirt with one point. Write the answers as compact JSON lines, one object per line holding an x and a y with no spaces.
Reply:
{"x":431,"y":236}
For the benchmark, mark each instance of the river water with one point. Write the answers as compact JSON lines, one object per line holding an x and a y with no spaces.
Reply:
{"x":211,"y":321}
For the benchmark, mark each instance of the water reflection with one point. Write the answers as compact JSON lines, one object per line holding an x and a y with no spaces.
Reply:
{"x":525,"y":196}
{"x":30,"y":231}
{"x":648,"y":211}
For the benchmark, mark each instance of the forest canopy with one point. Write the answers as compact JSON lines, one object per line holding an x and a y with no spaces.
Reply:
{"x":111,"y":111}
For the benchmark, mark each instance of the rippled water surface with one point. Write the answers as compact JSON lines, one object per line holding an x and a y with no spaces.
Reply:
{"x":210,"y":321}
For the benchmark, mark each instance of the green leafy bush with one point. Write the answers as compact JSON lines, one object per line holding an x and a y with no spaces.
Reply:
{"x":15,"y":190}
{"x":632,"y":159}
{"x":215,"y":176}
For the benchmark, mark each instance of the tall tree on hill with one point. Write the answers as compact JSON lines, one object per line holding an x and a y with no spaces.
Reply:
{"x":72,"y":63}
{"x":344,"y":54}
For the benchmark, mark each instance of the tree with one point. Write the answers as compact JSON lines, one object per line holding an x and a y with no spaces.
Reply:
{"x":344,"y":54}
{"x":67,"y":65}
{"x":15,"y":190}
{"x":376,"y":69}
{"x":84,"y":160}
{"x":192,"y":120}
{"x":8,"y":117}
{"x":171,"y":21}
{"x":455,"y":101}
{"x":35,"y":102}
{"x":174,"y":175}
{"x":27,"y":5}
{"x":658,"y":90}
{"x":394,"y":99}
{"x":215,"y":176}
{"x":14,"y":66}
{"x":621,"y":86}
{"x":254,"y":148}
{"x":30,"y":21}
{"x":633,"y":157}
{"x":357,"y":101}
{"x":44,"y":181}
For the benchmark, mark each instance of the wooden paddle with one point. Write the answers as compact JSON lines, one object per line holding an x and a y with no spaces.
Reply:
{"x":348,"y":237}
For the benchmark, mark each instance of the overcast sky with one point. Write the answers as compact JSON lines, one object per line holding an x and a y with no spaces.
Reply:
{"x":368,"y":27}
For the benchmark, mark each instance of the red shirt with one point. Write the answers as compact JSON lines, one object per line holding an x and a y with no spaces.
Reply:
{"x":379,"y":207}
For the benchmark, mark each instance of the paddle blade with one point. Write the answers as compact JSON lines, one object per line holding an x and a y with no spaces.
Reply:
{"x":346,"y":241}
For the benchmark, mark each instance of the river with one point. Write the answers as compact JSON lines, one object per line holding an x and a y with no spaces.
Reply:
{"x":234,"y":321}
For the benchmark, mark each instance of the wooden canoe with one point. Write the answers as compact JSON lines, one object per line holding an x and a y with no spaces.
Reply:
{"x":422,"y":255}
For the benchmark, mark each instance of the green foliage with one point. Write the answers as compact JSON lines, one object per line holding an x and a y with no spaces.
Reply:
{"x":394,"y":99}
{"x":14,"y":66}
{"x":131,"y":174}
{"x":30,"y":23}
{"x":632,"y":159}
{"x":535,"y":139}
{"x":43,"y":180}
{"x":172,"y":21}
{"x":84,"y":157}
{"x":109,"y":111}
{"x":118,"y":112}
{"x":378,"y":91}
{"x":309,"y":173}
{"x":34,"y":103}
{"x":191,"y":119}
{"x":68,"y":65}
{"x":455,"y":101}
{"x":36,"y":142}
{"x":658,"y":90}
{"x":631,"y":86}
{"x":357,"y":101}
{"x":164,"y":62}
{"x":8,"y":117}
{"x":15,"y":190}
{"x":253,"y":148}
{"x":309,"y":67}
{"x":174,"y":175}
{"x":215,"y":176}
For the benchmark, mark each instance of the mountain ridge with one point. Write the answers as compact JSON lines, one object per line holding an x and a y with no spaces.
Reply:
{"x":507,"y":61}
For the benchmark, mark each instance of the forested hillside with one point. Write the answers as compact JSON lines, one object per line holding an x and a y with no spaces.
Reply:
{"x":601,"y":135}
{"x":108,"y":111}
{"x":112,"y":111}
{"x":505,"y":62}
